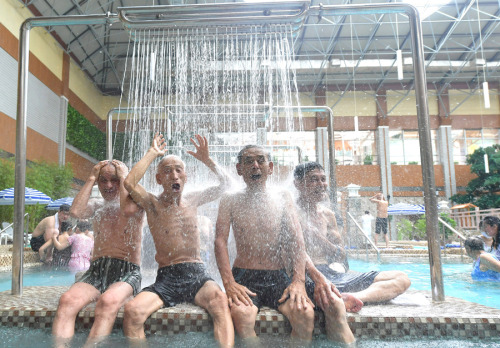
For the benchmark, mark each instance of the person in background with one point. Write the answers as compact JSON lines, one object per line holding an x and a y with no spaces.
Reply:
{"x":60,"y":258}
{"x":486,"y":266}
{"x":366,"y":220}
{"x":80,"y":245}
{"x":382,"y":217}
{"x":45,"y":230}
{"x":114,"y":274}
{"x":491,"y":228}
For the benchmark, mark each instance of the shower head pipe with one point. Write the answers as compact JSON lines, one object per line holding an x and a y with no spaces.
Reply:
{"x":241,"y":15}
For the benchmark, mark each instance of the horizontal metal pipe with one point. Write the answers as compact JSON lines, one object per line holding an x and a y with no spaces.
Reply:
{"x":107,"y":18}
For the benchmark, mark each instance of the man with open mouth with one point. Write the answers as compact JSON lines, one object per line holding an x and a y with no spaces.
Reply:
{"x":173,"y":221}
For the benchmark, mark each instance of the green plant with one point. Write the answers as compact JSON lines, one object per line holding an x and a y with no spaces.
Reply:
{"x":368,"y":159}
{"x":84,"y":135}
{"x":413,"y":162}
{"x":404,"y":229}
{"x":484,"y":190}
{"x":421,"y":226}
{"x":49,"y":178}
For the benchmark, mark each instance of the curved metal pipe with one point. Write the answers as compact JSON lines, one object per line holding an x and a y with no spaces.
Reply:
{"x":424,"y":133}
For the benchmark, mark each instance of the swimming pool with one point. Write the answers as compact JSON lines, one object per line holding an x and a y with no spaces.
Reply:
{"x":456,"y":279}
{"x":38,"y":276}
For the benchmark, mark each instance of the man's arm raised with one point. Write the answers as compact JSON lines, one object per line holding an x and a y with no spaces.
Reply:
{"x":131,"y":183}
{"x":127,"y":204}
{"x":202,"y":154}
{"x":81,"y":209}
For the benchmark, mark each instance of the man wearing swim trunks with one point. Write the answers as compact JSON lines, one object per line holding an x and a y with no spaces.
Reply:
{"x":267,"y":234}
{"x":114,"y":273}
{"x":173,"y":221}
{"x":323,"y":242}
{"x":48,"y":227}
{"x":382,"y":216}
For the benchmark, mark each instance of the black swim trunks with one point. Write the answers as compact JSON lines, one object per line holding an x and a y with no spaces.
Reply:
{"x":268,"y":285}
{"x":179,"y":283}
{"x":351,"y":281}
{"x":106,"y":271}
{"x":381,"y":225}
{"x":37,"y":242}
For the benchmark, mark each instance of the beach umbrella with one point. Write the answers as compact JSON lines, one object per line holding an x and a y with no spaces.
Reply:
{"x":31,"y":196}
{"x":54,"y":205}
{"x":406,"y":209}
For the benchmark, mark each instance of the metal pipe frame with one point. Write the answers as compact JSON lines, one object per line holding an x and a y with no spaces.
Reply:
{"x":422,"y":114}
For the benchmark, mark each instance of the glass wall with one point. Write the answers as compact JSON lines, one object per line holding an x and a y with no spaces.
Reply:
{"x":466,"y":141}
{"x":404,"y":146}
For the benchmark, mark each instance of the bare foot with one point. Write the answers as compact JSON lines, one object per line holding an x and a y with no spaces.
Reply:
{"x":352,"y":303}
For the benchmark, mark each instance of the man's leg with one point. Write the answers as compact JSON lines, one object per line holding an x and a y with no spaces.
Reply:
{"x":137,"y":311}
{"x":107,"y":308}
{"x":70,"y":303}
{"x":386,"y":286}
{"x":211,"y":297}
{"x":337,"y":328}
{"x":302,"y":321}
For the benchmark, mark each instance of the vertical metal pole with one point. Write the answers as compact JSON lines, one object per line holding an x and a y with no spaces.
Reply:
{"x":424,"y":133}
{"x":20,"y":169}
{"x":109,"y":135}
{"x":331,"y":154}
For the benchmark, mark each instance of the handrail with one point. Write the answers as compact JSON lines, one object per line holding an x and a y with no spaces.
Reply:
{"x":451,"y":228}
{"x":365,"y":236}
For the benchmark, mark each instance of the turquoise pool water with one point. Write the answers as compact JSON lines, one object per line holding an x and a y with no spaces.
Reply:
{"x":38,"y":276}
{"x":456,"y":278}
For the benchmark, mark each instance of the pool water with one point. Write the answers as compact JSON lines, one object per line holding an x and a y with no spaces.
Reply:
{"x":25,"y":337}
{"x":456,"y":279}
{"x":38,"y":276}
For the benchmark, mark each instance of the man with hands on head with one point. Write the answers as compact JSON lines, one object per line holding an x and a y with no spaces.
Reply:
{"x":173,"y":221}
{"x":114,"y":274}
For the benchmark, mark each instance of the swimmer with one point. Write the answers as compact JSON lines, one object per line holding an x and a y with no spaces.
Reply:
{"x":172,"y":218}
{"x":486,"y":265}
{"x":268,"y":235}
{"x":114,"y":274}
{"x":48,"y":227}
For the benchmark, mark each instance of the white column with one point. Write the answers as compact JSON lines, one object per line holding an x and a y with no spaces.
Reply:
{"x":322,"y":156}
{"x":63,"y":119}
{"x":445,"y":143}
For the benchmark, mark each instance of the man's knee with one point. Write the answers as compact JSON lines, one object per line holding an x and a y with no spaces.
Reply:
{"x":69,"y":303}
{"x":243,"y":316}
{"x":217,"y":302}
{"x":301,"y":320}
{"x":135,"y":313}
{"x":108,"y":304}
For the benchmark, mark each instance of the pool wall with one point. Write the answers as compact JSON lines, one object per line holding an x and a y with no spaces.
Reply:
{"x":411,"y":315}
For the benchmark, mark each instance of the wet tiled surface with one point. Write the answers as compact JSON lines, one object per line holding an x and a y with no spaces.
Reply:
{"x":29,"y":257}
{"x":412,"y":314}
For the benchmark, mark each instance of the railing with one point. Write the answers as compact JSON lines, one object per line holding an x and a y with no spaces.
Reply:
{"x":469,"y":220}
{"x":448,"y":226}
{"x":5,"y":236}
{"x":364,"y":236}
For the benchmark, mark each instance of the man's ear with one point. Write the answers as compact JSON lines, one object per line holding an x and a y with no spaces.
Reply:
{"x":271,"y":166}
{"x":238,"y":169}
{"x":157,"y":176}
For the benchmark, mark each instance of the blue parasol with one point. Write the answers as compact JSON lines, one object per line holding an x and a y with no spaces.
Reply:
{"x":406,"y":209}
{"x":31,"y":196}
{"x":54,"y":205}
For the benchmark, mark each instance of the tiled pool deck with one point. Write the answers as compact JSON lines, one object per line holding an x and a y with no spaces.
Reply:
{"x":411,"y":315}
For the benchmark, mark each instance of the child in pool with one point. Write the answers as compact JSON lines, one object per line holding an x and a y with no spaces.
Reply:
{"x":81,"y":247}
{"x":486,"y":265}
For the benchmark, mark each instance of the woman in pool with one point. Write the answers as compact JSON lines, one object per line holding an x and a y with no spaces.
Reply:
{"x":81,"y":247}
{"x":490,"y":226}
{"x":486,"y":266}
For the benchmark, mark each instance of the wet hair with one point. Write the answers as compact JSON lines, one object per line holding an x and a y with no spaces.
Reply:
{"x":474,"y":243}
{"x":65,"y":226}
{"x":167,"y":157}
{"x":252,"y":146}
{"x":64,"y":207}
{"x":367,"y":212}
{"x":492,"y":221}
{"x":302,"y":169}
{"x":83,"y":225}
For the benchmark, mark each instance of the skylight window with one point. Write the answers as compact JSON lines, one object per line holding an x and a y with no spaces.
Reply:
{"x":427,"y":7}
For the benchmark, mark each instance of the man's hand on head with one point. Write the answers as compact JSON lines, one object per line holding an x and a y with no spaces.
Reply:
{"x":121,"y":169}
{"x":94,"y":174}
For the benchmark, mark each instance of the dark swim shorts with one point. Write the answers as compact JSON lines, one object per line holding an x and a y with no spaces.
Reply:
{"x":37,"y":242}
{"x":268,"y":285}
{"x":106,"y":271}
{"x":179,"y":283}
{"x":351,"y":281}
{"x":381,"y":225}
